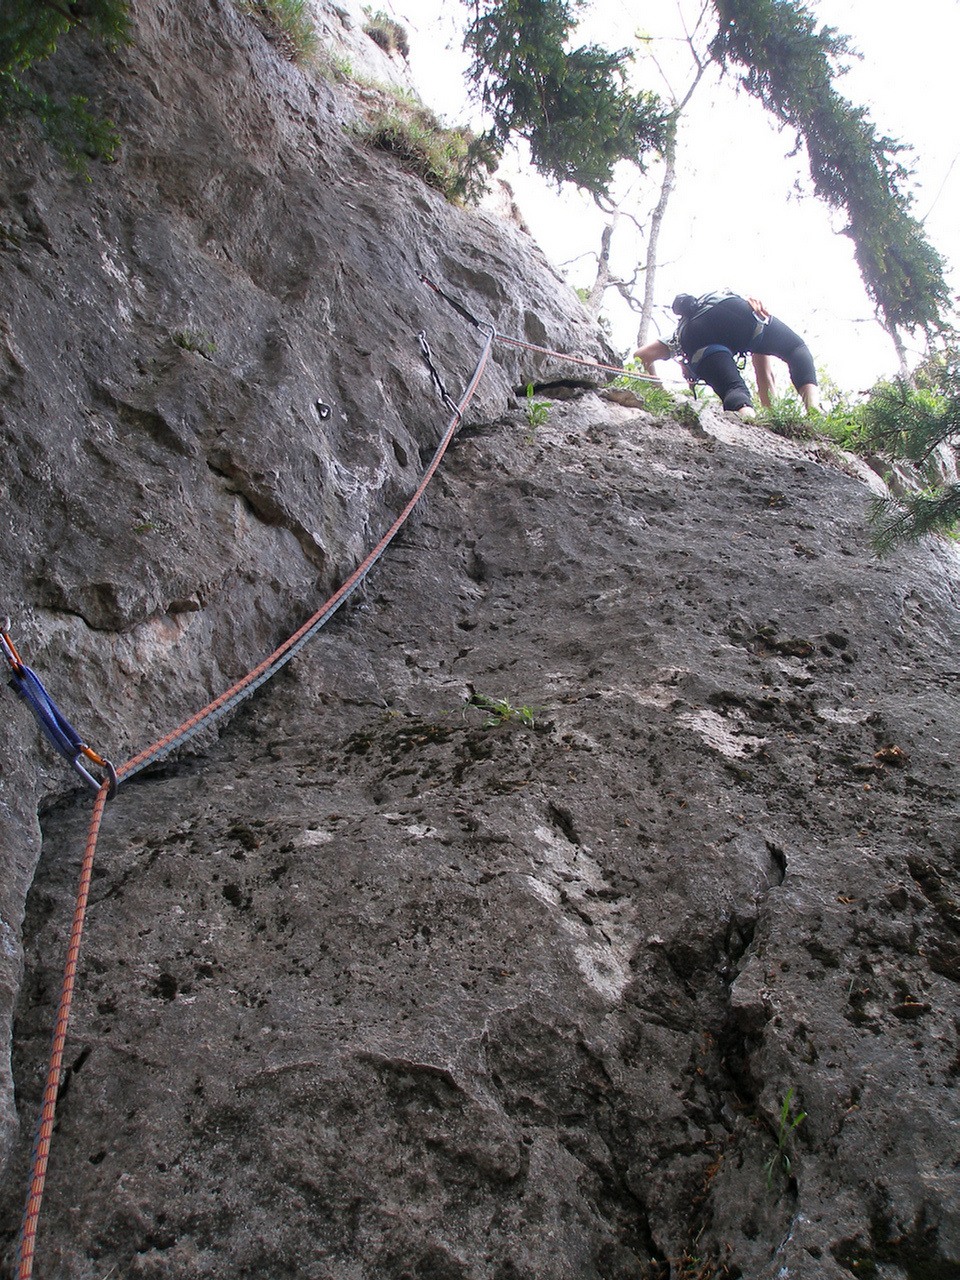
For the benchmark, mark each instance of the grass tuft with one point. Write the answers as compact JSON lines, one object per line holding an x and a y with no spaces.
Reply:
{"x":287,"y":24}
{"x":451,"y":161}
{"x":390,"y":35}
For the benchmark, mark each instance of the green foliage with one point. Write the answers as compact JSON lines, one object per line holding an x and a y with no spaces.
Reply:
{"x":333,"y":66}
{"x":30,"y":32}
{"x":897,"y":521}
{"x":387,"y":33}
{"x":449,"y":160}
{"x":901,"y":421}
{"x":841,"y":426}
{"x":191,"y":340}
{"x":656,"y":398}
{"x":537,"y":410}
{"x":904,"y":421}
{"x":790,"y":67}
{"x":288,"y":24}
{"x":787,"y":1125}
{"x":500,"y":711}
{"x":571,"y":105}
{"x":787,"y":417}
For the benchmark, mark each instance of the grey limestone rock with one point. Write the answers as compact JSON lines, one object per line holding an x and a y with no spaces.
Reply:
{"x":489,"y":939}
{"x":173,"y":502}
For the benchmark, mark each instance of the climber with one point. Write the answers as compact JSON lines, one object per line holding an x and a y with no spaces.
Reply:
{"x":715,"y":329}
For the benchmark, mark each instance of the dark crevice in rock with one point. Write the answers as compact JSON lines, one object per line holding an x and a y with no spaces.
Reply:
{"x":562,"y":389}
{"x":562,"y":819}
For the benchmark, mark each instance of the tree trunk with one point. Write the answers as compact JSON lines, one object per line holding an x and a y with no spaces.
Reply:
{"x":595,"y":300}
{"x":650,"y":269}
{"x":901,"y":352}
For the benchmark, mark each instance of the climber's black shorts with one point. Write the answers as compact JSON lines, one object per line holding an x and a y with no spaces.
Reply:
{"x":733,"y":325}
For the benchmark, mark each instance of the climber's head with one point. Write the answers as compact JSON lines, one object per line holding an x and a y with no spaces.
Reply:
{"x":684,"y":304}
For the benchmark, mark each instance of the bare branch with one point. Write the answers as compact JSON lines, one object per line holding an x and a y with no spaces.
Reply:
{"x":568,"y":262}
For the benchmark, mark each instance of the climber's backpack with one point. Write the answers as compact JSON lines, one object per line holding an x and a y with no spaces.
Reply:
{"x":704,"y":304}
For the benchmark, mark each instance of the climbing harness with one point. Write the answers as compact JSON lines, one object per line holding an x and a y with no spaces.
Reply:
{"x":69,"y":744}
{"x":691,"y":367}
{"x":692,"y":363}
{"x":710,"y":349}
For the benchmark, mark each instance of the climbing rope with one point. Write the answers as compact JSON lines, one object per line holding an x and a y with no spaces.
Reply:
{"x":41,"y":1146}
{"x":162,"y":747}
{"x":292,"y":646}
{"x":69,"y":744}
{"x":530,"y":346}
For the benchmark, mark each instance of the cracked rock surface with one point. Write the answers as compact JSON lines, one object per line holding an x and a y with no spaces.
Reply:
{"x":378,"y":988}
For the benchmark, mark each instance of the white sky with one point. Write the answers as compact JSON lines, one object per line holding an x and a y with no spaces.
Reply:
{"x":735,"y":219}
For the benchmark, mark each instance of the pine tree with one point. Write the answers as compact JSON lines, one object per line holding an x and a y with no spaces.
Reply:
{"x":910,"y":421}
{"x":790,"y":65}
{"x":579,"y":118}
{"x":571,"y":105}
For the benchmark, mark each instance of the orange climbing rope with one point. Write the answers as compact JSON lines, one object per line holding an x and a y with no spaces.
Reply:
{"x":590,"y":364}
{"x":41,"y":1150}
{"x":214,"y":710}
{"x":530,"y":346}
{"x":163,"y":746}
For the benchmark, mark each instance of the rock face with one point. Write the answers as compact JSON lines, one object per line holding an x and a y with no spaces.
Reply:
{"x":509,"y":930}
{"x":173,"y":501}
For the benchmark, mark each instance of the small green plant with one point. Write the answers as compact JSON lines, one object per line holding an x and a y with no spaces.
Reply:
{"x":656,"y":398}
{"x":781,"y":1157}
{"x":191,"y":340}
{"x":787,"y":417}
{"x":537,"y":411}
{"x":500,"y":711}
{"x":842,"y":426}
{"x":633,"y":375}
{"x":449,"y":160}
{"x":387,"y":33}
{"x":333,"y":66}
{"x":288,"y":24}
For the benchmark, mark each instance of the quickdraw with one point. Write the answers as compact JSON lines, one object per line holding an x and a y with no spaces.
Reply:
{"x":57,"y":728}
